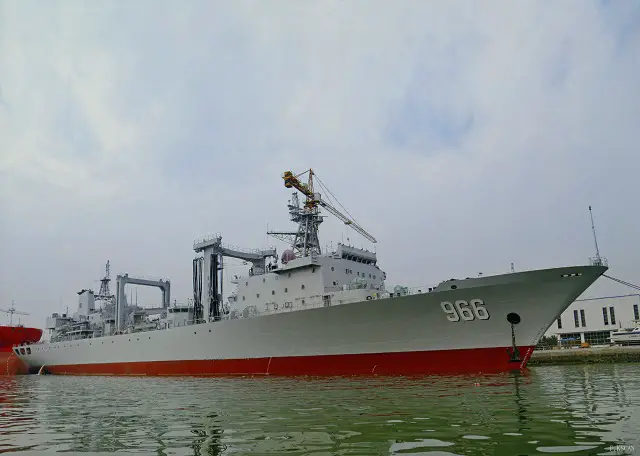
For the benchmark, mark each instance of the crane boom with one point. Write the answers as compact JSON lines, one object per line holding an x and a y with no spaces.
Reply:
{"x":13,"y":311}
{"x":347,"y":221}
{"x":314,"y":199}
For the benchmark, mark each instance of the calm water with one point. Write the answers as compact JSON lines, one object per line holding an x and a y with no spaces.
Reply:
{"x":586,"y":409}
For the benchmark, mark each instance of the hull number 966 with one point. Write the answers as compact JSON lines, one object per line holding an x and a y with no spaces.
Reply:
{"x":464,"y":310}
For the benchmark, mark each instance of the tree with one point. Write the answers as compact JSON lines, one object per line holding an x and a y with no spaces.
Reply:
{"x":547,"y":342}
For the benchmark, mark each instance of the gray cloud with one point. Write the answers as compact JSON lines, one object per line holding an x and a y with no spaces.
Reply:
{"x":463,"y":137}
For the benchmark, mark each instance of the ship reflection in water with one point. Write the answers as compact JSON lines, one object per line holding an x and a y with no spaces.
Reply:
{"x":578,"y":409}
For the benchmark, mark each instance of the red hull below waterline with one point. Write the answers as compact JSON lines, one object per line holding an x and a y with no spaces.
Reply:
{"x":403,"y":363}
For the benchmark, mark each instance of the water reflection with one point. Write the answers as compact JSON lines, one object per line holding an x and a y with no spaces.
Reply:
{"x":545,"y":410}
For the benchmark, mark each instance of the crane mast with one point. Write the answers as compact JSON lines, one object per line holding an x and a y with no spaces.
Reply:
{"x":305,"y":241}
{"x":12,"y":310}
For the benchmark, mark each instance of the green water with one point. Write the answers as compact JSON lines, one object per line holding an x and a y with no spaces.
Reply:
{"x":551,"y":409}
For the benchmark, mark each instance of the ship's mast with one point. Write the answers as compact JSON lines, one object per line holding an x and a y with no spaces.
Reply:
{"x":105,"y":293}
{"x":595,"y":239}
{"x":305,"y":241}
{"x":12,"y":310}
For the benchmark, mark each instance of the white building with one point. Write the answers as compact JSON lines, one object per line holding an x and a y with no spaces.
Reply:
{"x":592,"y":320}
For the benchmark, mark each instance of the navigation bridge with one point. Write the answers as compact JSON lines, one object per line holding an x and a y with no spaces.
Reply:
{"x":208,"y":299}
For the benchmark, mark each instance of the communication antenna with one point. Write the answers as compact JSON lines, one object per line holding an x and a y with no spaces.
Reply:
{"x":595,"y":239}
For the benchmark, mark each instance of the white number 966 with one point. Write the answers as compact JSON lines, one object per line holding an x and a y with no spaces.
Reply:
{"x":466,"y":310}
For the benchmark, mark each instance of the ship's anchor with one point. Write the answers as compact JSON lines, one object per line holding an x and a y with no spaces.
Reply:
{"x":514,"y":353}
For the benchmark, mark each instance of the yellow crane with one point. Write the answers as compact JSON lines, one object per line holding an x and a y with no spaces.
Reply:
{"x":314,"y":199}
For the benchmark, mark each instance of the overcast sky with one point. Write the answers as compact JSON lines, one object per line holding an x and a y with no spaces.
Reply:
{"x":463,"y":135}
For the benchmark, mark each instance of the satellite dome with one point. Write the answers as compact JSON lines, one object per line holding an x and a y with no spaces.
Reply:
{"x":287,"y":256}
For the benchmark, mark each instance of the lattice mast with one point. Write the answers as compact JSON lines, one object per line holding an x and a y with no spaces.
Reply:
{"x":105,"y":292}
{"x":305,"y":241}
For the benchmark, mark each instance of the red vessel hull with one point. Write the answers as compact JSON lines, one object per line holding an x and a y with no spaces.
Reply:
{"x":15,"y":335}
{"x":10,"y":364}
{"x":409,"y":363}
